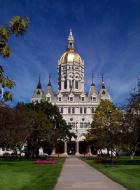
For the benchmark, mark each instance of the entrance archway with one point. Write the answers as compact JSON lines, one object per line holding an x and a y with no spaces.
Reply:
{"x":82,"y":147}
{"x":71,"y":147}
{"x":60,"y":147}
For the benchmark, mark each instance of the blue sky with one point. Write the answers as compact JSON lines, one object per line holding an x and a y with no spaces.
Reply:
{"x":107,"y":36}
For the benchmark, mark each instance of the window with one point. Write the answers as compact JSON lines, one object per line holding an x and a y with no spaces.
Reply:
{"x":69,"y":110}
{"x":103,"y":92}
{"x":92,"y":110}
{"x":73,"y":110}
{"x":71,"y":99}
{"x":65,"y":84}
{"x":48,"y":99}
{"x":81,"y":110}
{"x":61,"y":110}
{"x":82,"y":99}
{"x":72,"y":124}
{"x":70,"y":84}
{"x":38,"y":92}
{"x":76,"y":84}
{"x":85,"y":110}
{"x":94,"y":99}
{"x":81,"y":124}
{"x":59,"y":99}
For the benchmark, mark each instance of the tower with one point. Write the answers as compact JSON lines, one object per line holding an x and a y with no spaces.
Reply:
{"x":71,"y":70}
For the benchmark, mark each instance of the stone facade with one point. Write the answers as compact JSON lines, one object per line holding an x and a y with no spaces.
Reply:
{"x":76,"y":106}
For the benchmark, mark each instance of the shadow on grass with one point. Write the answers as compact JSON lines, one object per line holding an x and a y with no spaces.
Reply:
{"x":127,"y":162}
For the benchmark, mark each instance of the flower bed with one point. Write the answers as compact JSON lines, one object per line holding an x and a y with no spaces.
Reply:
{"x":45,"y":161}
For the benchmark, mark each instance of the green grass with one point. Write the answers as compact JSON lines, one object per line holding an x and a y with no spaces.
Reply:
{"x":25,"y":175}
{"x":125,"y":171}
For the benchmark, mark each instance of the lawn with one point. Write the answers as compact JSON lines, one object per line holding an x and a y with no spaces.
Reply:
{"x":125,"y":171}
{"x":25,"y":175}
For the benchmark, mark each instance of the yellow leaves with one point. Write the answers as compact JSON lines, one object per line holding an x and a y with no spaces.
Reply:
{"x":4,"y":33}
{"x":6,"y":82}
{"x":6,"y":51}
{"x":7,"y":96}
{"x":19,"y":25}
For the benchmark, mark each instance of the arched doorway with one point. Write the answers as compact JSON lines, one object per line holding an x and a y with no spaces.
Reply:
{"x":83,"y":147}
{"x":71,"y":147}
{"x":60,"y":147}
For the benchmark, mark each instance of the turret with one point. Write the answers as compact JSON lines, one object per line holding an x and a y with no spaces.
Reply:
{"x":93,"y":94}
{"x":103,"y":92}
{"x":38,"y":92}
{"x":49,"y":94}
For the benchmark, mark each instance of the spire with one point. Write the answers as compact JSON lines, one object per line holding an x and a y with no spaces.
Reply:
{"x":39,"y":86}
{"x":49,"y":83}
{"x":71,"y":40}
{"x":103,"y":84}
{"x":92,"y":83}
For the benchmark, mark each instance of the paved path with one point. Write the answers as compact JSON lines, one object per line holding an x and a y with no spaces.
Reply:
{"x":77,"y":175}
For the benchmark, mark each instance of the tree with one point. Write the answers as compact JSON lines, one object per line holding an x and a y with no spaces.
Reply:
{"x":105,"y":131}
{"x":13,"y":132}
{"x":17,"y":26}
{"x":45,"y":125}
{"x":132,"y":123}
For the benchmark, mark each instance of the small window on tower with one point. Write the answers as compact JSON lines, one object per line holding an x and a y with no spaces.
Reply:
{"x":59,"y":99}
{"x":76,"y":84}
{"x":38,"y":92}
{"x":94,"y":99}
{"x":65,"y":84}
{"x":82,"y":99}
{"x":103,"y":92}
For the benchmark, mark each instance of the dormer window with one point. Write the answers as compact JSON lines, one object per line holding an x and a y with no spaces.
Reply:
{"x":48,"y":99}
{"x":93,"y":98}
{"x":71,"y":99}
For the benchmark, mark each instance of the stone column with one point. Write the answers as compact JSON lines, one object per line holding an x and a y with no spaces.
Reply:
{"x":77,"y":148}
{"x":65,"y":148}
{"x":53,"y":151}
{"x":89,"y":150}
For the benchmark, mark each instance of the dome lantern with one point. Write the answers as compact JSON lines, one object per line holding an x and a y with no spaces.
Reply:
{"x":70,"y":55}
{"x":71,"y":40}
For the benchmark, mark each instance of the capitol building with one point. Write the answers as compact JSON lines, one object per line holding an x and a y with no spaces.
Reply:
{"x":76,"y":106}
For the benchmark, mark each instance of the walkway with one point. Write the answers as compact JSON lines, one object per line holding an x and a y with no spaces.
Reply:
{"x":77,"y":175}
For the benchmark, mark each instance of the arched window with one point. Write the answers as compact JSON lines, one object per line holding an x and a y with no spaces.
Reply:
{"x":70,"y":84}
{"x":76,"y":84}
{"x":65,"y":84}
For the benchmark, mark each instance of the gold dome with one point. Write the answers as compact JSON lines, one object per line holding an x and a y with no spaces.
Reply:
{"x":70,"y":56}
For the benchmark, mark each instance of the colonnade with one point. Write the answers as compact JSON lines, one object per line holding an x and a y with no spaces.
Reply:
{"x":77,"y":149}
